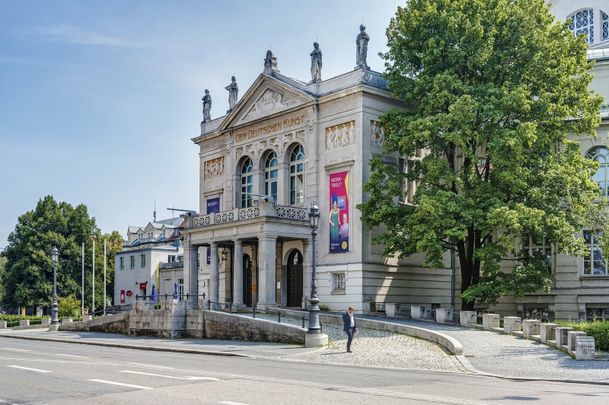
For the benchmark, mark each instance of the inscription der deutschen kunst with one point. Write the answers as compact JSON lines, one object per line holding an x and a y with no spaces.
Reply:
{"x":278,"y":125}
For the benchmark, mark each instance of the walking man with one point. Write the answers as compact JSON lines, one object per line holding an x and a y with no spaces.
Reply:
{"x":349,"y":326}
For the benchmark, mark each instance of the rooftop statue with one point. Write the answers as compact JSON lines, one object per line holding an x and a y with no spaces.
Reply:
{"x":206,"y":107}
{"x":316,"y":63}
{"x":361,"y":43}
{"x":233,"y":94}
{"x":270,"y":63}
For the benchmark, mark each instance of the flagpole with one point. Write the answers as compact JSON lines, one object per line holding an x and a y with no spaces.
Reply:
{"x":93,"y":277}
{"x":105,"y":277}
{"x":82,"y":299}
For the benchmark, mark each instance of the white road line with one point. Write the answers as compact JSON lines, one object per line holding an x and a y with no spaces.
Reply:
{"x":14,"y":349}
{"x":71,"y":355}
{"x":139,"y":387}
{"x":173,"y":377}
{"x":231,"y":403}
{"x":30,"y":369}
{"x":151,"y":365}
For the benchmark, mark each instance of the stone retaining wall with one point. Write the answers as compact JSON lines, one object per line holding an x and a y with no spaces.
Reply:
{"x":222,"y":325}
{"x":110,"y":323}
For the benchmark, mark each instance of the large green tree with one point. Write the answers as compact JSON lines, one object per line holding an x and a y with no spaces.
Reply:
{"x":491,"y":89}
{"x":28,"y":276}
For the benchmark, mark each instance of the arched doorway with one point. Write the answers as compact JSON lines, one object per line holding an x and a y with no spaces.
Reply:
{"x":247,"y":280}
{"x":294,"y":281}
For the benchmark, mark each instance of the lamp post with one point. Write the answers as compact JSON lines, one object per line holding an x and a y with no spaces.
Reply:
{"x":314,"y":327}
{"x":54,"y":309}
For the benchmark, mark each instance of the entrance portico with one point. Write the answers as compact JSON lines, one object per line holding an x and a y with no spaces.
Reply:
{"x":262,"y":232}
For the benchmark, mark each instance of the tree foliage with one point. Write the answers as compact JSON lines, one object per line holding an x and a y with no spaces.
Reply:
{"x":28,"y":277}
{"x":492,"y":89}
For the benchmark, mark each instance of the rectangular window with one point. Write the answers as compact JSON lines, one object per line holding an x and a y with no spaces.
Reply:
{"x":122,"y":260}
{"x":171,"y":258}
{"x":535,"y":246}
{"x":180,"y":288}
{"x":597,"y":314}
{"x":142,"y":260}
{"x":131,"y":262}
{"x":594,"y":263}
{"x":338,"y":282}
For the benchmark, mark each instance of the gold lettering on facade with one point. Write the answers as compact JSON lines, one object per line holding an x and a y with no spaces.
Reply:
{"x":275,"y":126}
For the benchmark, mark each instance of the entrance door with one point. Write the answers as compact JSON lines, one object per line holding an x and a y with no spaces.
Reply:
{"x":247,"y":280}
{"x":295,"y":279}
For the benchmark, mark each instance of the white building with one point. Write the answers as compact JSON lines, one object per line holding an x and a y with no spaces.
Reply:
{"x":289,"y":143}
{"x":137,"y":266}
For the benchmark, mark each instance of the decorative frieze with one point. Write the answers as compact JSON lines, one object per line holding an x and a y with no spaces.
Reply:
{"x":278,"y":143}
{"x":214,"y":168}
{"x":341,"y":135}
{"x":377,"y":133}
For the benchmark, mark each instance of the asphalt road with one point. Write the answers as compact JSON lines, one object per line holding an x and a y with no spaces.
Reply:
{"x":63,"y":373}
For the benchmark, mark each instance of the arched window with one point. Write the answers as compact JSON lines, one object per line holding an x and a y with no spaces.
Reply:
{"x":601,"y":177}
{"x":270,"y":175}
{"x":604,"y":25}
{"x":297,"y":176}
{"x":247,"y":183}
{"x":582,"y":22}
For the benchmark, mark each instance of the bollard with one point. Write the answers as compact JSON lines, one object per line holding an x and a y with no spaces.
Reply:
{"x":530,"y":327}
{"x":572,"y":335}
{"x":546,"y":332}
{"x":24,"y":322}
{"x":443,"y":315}
{"x":490,"y":321}
{"x":561,"y":334}
{"x":512,"y":324}
{"x":467,"y":318}
{"x":3,"y":324}
{"x":584,"y":348}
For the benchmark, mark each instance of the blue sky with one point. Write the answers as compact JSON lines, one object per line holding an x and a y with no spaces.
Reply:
{"x":99,"y":99}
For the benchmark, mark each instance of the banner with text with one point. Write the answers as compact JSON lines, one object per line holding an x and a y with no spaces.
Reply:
{"x":213,"y":207}
{"x":338,"y":218}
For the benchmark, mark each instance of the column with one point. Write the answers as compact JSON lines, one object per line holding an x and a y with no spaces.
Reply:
{"x":214,"y":279}
{"x":238,"y":273}
{"x":307,"y":260}
{"x":266,"y":269}
{"x":191,"y":274}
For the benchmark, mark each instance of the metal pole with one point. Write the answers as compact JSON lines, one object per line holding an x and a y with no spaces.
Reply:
{"x":54,"y":307}
{"x":93,"y":288}
{"x":452,"y":277}
{"x":104,"y":277}
{"x":82,"y":295}
{"x":314,"y":326}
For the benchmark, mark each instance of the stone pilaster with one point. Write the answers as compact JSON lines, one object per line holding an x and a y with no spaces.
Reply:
{"x":238,"y":270}
{"x":191,"y":273}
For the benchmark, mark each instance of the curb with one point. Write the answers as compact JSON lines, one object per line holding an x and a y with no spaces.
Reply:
{"x":134,"y":347}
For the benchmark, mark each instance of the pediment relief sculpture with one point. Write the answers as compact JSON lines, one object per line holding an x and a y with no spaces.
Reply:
{"x":214,"y":168}
{"x":270,"y":101}
{"x":377,"y":133}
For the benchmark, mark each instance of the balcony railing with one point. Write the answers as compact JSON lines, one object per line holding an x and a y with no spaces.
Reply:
{"x":268,"y":210}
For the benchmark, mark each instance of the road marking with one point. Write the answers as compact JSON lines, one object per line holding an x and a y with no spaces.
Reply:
{"x":30,"y":369}
{"x":71,"y":355}
{"x":151,"y":365}
{"x":231,"y":403}
{"x":174,"y":377}
{"x":139,"y":387}
{"x":14,"y":349}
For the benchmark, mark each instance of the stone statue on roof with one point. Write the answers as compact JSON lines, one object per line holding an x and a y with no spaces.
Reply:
{"x":206,"y":106}
{"x":233,"y":94}
{"x":361,"y":43}
{"x":316,"y":63}
{"x":270,"y":63}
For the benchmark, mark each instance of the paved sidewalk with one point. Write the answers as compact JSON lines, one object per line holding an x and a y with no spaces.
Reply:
{"x":511,"y":356}
{"x":202,"y":346}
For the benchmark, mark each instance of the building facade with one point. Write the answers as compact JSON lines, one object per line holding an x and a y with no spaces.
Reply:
{"x":137,"y":266}
{"x":288,"y":143}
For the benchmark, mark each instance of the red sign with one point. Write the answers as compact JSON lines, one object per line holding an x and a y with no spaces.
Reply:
{"x":143,"y":285}
{"x":129,"y":293}
{"x":122,"y":296}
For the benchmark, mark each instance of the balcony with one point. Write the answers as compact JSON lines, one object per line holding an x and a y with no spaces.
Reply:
{"x":263,"y":210}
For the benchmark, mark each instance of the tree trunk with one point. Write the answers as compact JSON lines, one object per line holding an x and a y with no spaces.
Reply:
{"x":467,"y":273}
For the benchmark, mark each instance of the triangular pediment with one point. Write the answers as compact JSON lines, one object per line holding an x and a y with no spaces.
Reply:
{"x":266,"y":97}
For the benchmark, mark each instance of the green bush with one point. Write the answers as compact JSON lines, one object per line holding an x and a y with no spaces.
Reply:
{"x":69,"y":307}
{"x":598,"y":329}
{"x":13,"y":320}
{"x":324,"y":307}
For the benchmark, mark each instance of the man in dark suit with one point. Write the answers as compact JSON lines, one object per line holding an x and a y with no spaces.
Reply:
{"x":349,"y":326}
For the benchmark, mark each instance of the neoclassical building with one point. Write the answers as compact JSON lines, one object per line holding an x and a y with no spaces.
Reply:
{"x":288,"y":143}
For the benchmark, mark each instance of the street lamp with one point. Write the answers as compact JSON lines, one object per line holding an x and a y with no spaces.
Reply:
{"x":54,"y":309}
{"x":314,"y":327}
